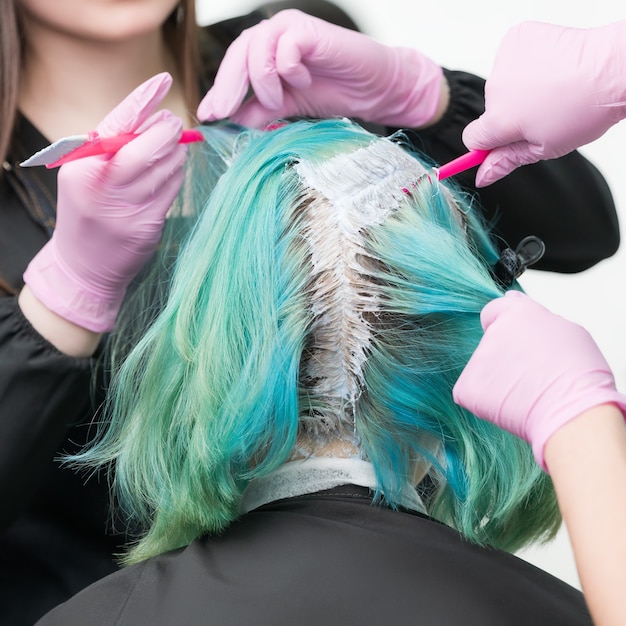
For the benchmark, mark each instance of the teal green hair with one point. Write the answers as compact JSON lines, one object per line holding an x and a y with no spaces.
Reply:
{"x":212,"y":395}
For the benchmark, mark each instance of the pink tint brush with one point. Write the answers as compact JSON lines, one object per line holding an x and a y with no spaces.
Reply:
{"x":91,"y":144}
{"x":456,"y":166}
{"x":462,"y":163}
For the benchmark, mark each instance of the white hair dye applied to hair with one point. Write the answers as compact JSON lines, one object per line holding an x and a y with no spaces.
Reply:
{"x":345,"y":197}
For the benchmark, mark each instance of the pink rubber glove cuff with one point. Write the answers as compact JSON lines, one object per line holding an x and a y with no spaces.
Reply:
{"x":65,"y":294}
{"x":570,"y":410}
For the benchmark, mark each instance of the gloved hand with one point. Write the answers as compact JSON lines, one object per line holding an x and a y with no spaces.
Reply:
{"x":110,"y":212}
{"x":533,"y":371}
{"x":299,"y":65}
{"x":552,"y":89}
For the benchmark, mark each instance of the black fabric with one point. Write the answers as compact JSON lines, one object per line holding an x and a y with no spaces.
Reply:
{"x":55,"y":534}
{"x":328,"y":558}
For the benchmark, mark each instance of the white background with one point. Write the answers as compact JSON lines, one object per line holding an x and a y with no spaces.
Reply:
{"x":464,"y":35}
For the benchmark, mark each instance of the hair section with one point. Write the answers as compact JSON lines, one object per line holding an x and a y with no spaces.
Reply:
{"x":329,"y":289}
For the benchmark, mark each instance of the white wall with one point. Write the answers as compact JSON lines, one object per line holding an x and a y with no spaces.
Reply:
{"x":464,"y":35}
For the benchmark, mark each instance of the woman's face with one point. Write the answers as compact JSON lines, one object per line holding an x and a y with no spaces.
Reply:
{"x":96,"y":20}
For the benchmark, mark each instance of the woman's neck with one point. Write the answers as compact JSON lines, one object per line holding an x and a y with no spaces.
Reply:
{"x":307,"y":447}
{"x":69,"y":84}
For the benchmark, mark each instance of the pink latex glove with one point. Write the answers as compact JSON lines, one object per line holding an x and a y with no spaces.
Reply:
{"x":533,"y":371}
{"x":110,"y":212}
{"x":552,"y":89}
{"x":299,"y":65}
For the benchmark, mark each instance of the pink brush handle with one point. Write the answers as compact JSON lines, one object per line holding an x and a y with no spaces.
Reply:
{"x":108,"y":145}
{"x":462,"y":163}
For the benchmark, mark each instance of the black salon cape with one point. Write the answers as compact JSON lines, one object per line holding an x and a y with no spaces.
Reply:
{"x":328,"y":558}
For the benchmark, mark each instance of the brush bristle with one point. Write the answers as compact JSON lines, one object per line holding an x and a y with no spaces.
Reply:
{"x":55,"y":151}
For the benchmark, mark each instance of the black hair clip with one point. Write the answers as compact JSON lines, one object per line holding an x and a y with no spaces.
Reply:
{"x":512,"y":263}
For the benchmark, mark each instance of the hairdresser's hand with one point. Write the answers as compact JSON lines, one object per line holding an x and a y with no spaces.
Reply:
{"x":552,"y":89}
{"x":110,"y":213}
{"x":299,"y":65}
{"x":533,"y":371}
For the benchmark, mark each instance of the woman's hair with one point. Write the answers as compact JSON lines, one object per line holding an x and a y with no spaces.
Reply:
{"x":331,"y":288}
{"x":10,"y":62}
{"x":181,"y":35}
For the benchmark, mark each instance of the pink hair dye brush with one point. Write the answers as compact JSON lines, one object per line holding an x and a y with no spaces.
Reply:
{"x":462,"y":163}
{"x":80,"y":146}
